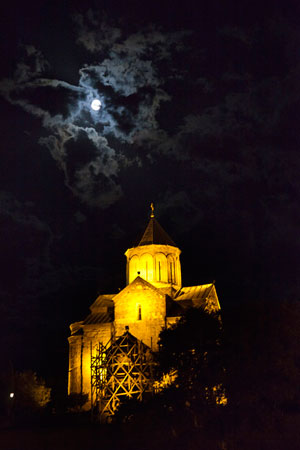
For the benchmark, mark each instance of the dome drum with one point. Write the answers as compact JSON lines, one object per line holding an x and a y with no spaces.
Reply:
{"x":158,"y":264}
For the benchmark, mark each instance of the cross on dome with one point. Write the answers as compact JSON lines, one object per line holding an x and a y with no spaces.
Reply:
{"x":152,"y":210}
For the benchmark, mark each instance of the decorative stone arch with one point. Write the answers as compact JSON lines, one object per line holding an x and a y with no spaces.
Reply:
{"x":161,"y":269}
{"x":146,"y":266}
{"x":134,"y":267}
{"x":171,"y":264}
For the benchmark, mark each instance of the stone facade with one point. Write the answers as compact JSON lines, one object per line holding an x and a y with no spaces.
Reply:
{"x":152,"y":299}
{"x":142,"y":308}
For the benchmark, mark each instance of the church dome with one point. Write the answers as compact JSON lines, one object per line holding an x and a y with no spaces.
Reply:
{"x":155,"y":258}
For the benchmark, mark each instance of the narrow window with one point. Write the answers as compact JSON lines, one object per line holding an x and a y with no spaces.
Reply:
{"x":171,"y":272}
{"x":159,"y":271}
{"x":146,"y":270}
{"x":139,"y":312}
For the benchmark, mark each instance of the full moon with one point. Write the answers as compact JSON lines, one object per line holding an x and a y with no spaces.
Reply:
{"x":96,"y":104}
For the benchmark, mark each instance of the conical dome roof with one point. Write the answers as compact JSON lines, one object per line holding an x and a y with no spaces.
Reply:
{"x":155,"y":234}
{"x":154,"y":257}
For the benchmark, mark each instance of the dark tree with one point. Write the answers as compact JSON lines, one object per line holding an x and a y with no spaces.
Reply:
{"x":193,"y":347}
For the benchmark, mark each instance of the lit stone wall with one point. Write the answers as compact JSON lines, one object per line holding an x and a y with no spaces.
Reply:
{"x":74,"y":363}
{"x":93,"y":334}
{"x":143,"y":309}
{"x":80,"y":347}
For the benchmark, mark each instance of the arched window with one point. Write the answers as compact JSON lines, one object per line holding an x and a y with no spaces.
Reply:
{"x":161,"y":267}
{"x":147,"y":267}
{"x":134,"y":268}
{"x":171,"y":269}
{"x":171,"y":272}
{"x":139,"y":313}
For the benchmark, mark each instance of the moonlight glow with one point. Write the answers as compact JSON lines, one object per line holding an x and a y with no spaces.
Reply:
{"x":96,"y":104}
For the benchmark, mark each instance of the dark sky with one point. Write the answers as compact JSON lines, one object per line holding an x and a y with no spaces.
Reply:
{"x":200,"y":114}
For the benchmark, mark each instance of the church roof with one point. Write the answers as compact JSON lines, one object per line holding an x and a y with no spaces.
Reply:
{"x":155,"y":234}
{"x":94,"y":318}
{"x":201,"y":296}
{"x":102,"y":301}
{"x":200,"y":292}
{"x":138,"y":284}
{"x":204,"y":295}
{"x":102,"y":310}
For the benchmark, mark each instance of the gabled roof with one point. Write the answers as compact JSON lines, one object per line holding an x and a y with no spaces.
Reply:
{"x":102,"y":310}
{"x":138,"y":284}
{"x":122,"y":343}
{"x":155,"y":234}
{"x":204,"y":295}
{"x":94,"y":318}
{"x":102,"y":301}
{"x":194,"y":292}
{"x":174,"y":309}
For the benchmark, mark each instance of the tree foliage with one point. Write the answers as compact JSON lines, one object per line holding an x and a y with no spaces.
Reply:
{"x":193,"y":348}
{"x":31,"y":392}
{"x":254,"y":356}
{"x":76,"y":401}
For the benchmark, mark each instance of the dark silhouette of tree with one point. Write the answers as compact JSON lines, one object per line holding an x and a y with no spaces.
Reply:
{"x":193,"y":347}
{"x":254,"y":354}
{"x":76,"y":401}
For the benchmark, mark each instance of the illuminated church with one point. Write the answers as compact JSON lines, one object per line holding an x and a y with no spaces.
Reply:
{"x":110,"y":350}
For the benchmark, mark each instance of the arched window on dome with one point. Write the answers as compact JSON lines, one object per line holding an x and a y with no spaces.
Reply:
{"x":161,"y":267}
{"x":134,"y":268}
{"x":171,"y":269}
{"x":147,"y":267}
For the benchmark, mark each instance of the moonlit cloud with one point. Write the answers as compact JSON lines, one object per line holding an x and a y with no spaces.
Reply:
{"x":136,"y":74}
{"x":32,"y":64}
{"x":126,"y":78}
{"x":94,"y":34}
{"x":95,"y":181}
{"x":20,"y":213}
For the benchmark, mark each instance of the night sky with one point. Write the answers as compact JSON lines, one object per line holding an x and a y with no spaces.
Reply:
{"x":200,"y":115}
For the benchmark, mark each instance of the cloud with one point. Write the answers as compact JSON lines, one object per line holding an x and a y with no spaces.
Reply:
{"x":94,"y":181}
{"x":94,"y":34}
{"x":137,"y":76}
{"x":28,"y":89}
{"x":182,"y":211}
{"x":11,"y":207}
{"x":126,"y":78}
{"x":246,"y":37}
{"x":94,"y":188}
{"x":79,"y":217}
{"x":20,"y":213}
{"x":97,"y":34}
{"x":32,"y":64}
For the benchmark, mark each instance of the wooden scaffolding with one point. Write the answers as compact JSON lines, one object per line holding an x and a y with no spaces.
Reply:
{"x":121,"y":369}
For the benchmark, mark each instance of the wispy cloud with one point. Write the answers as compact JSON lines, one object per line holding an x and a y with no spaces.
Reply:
{"x":127,"y":81}
{"x":132,"y":74}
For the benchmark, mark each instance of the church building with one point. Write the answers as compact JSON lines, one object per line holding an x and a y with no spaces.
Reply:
{"x":132,"y":319}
